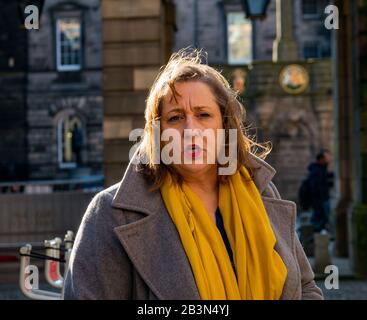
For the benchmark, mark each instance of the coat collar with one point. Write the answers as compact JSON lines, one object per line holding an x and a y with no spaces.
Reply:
{"x":153,"y":245}
{"x":133,"y":187}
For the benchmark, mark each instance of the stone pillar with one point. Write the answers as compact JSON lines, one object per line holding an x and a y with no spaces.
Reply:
{"x":322,"y":256}
{"x":351,"y":109}
{"x":359,"y":215}
{"x":344,"y":114}
{"x":137,"y":40}
{"x":284,"y":46}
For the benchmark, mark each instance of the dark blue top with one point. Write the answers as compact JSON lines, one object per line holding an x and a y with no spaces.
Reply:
{"x":220,"y":225}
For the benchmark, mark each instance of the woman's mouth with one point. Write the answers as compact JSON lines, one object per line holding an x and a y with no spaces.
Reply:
{"x":193,"y":151}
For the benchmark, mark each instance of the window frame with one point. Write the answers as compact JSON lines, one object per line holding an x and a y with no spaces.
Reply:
{"x":229,"y":62}
{"x":74,"y":13}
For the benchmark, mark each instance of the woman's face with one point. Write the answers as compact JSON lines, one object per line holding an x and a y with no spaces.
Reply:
{"x":195,"y":111}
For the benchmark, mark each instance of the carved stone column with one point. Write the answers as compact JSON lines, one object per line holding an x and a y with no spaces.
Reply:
{"x":284,"y":46}
{"x":137,"y":40}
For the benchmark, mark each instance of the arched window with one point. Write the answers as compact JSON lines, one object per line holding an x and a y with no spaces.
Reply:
{"x":70,"y":141}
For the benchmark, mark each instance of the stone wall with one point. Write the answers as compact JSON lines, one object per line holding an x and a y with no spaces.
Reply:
{"x":137,"y":40}
{"x":13,"y":50}
{"x":202,"y":23}
{"x":52,"y":94}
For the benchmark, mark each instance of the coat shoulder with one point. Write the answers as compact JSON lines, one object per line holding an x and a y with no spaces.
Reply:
{"x":100,"y":205}
{"x":88,"y":276}
{"x":111,"y":191}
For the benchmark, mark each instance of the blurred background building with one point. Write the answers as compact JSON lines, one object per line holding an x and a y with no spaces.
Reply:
{"x":71,"y":92}
{"x":230,"y":38}
{"x":50,"y":94}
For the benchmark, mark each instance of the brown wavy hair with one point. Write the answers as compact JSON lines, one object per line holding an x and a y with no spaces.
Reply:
{"x":187,"y":65}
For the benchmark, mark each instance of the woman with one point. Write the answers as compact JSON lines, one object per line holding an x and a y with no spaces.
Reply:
{"x":184,"y":226}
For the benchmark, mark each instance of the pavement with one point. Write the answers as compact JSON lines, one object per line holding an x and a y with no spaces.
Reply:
{"x":348,"y":290}
{"x":344,"y":268}
{"x":349,"y":286}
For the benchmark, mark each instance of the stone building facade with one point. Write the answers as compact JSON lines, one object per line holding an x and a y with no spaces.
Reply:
{"x":204,"y":24}
{"x":51,"y":97}
{"x":137,"y":40}
{"x":13,"y":112}
{"x":64,"y":89}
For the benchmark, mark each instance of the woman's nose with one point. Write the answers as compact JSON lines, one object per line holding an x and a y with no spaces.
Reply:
{"x":190,"y":123}
{"x":192,"y":130}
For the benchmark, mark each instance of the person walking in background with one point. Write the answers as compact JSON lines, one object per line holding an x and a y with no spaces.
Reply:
{"x":320,"y":181}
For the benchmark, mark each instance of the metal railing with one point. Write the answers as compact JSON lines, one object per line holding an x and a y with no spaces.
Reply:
{"x":53,"y":260}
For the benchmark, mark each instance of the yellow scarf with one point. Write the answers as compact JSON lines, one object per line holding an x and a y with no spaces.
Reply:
{"x":260,"y":270}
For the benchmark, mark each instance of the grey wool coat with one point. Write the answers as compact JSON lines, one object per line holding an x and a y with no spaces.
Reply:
{"x":127,"y":246}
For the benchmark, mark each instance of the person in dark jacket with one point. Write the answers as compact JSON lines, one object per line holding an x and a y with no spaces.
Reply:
{"x":320,"y":183}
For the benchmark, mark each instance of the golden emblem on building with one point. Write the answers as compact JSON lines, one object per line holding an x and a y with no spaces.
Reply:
{"x":294,"y":79}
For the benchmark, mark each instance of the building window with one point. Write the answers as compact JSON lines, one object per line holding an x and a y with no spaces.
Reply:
{"x":70,"y":141}
{"x":68,"y":44}
{"x":310,"y":8}
{"x":239,"y":38}
{"x":311,"y":50}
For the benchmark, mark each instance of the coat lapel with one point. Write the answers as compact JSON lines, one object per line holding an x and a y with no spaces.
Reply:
{"x":152,"y":242}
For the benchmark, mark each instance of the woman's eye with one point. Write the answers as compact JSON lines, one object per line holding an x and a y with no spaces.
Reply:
{"x":204,"y":115}
{"x":174,"y":118}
